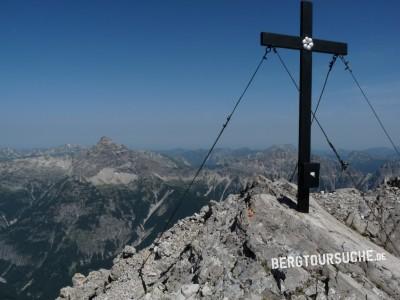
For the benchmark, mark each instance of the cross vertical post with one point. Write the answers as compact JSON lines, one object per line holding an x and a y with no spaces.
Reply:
{"x":308,"y":173}
{"x":304,"y":154}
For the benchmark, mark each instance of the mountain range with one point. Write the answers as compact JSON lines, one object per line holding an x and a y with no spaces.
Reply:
{"x":71,"y":209}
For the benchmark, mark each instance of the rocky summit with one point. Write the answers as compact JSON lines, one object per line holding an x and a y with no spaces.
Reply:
{"x":226,"y":251}
{"x":72,"y":209}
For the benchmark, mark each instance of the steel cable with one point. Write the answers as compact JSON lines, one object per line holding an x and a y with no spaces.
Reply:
{"x":313,"y":113}
{"x":347,"y":64}
{"x":186,"y":191}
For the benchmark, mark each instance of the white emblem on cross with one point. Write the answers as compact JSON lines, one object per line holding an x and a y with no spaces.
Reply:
{"x":308,"y":43}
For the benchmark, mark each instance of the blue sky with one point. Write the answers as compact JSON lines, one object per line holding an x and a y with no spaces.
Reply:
{"x":164,"y":74}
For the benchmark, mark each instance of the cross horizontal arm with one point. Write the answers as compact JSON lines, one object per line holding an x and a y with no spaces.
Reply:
{"x":295,"y":42}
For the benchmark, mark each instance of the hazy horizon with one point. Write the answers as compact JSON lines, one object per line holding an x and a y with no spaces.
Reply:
{"x":200,"y":148}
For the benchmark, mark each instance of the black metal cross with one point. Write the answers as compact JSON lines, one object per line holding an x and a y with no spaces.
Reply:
{"x":308,"y":173}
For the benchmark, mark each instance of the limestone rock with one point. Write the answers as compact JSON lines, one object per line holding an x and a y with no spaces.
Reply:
{"x":226,"y":252}
{"x":128,"y":251}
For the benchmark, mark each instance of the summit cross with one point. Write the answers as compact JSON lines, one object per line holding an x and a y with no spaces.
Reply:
{"x":308,"y":173}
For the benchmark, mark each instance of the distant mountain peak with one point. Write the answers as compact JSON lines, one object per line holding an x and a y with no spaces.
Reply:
{"x":105,"y":141}
{"x":106,"y":144}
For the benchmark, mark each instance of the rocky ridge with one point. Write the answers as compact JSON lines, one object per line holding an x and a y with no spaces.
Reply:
{"x":71,"y":209}
{"x":225,"y":252}
{"x":374,"y":214}
{"x":73,"y":213}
